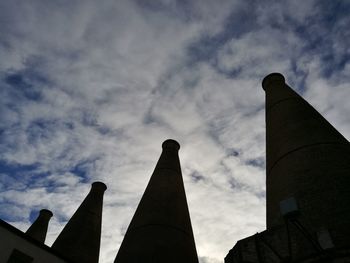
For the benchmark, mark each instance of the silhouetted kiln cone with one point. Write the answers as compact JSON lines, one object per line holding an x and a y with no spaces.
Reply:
{"x":79,"y":240}
{"x":306,"y":158}
{"x":273,"y":79}
{"x":38,"y":229}
{"x":160,"y":230}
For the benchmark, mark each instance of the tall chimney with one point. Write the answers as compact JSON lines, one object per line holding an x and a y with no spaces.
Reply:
{"x":161,"y":230}
{"x":308,"y":159}
{"x":79,"y":240}
{"x":39,"y":227}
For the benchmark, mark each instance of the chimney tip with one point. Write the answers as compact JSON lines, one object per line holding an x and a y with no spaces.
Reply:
{"x":272,"y":78}
{"x":170,"y":143}
{"x":46,"y":212}
{"x":99,"y":186}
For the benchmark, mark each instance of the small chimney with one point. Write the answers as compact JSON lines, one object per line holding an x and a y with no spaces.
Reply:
{"x":79,"y":240}
{"x":39,"y":227}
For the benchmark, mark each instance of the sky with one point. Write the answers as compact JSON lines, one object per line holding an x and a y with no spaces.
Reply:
{"x":89,"y":90}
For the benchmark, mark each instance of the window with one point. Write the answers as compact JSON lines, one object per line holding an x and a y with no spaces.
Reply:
{"x":19,"y":257}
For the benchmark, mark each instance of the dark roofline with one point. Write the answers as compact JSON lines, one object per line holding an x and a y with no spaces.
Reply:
{"x":32,"y":240}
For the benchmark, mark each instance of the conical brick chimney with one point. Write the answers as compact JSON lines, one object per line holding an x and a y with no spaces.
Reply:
{"x":79,"y":240}
{"x":39,"y":227}
{"x":160,"y":230}
{"x":307,"y":159}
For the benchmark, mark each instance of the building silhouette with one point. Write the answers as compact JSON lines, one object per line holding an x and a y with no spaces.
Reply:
{"x":78,"y":242}
{"x":307,"y":185}
{"x":161,"y":230}
{"x":307,"y":192}
{"x":80,"y":239}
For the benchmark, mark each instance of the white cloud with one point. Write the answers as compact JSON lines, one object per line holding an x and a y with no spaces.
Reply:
{"x":118,"y":79}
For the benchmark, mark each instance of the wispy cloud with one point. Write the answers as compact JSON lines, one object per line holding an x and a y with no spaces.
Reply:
{"x":88,"y":91}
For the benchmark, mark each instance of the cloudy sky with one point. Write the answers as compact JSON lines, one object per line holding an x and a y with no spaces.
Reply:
{"x":90,"y":89}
